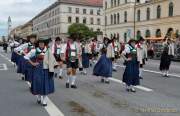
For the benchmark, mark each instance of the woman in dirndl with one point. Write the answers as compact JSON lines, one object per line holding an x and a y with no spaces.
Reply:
{"x":85,"y":57}
{"x":42,"y":80}
{"x":103,"y":67}
{"x":131,"y":73}
{"x":166,"y":57}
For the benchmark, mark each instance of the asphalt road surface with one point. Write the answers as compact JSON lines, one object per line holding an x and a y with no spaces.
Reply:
{"x":157,"y":95}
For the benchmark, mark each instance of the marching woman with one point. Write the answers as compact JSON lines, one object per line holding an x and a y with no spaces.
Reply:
{"x":57,"y":50}
{"x":166,"y":56}
{"x":72,"y":62}
{"x":140,"y":56}
{"x":23,"y":50}
{"x":85,"y":57}
{"x":116,"y":46}
{"x":103,"y":67}
{"x":42,"y":79}
{"x":131,"y":73}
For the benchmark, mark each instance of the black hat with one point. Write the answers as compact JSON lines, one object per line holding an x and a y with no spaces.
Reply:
{"x":31,"y":36}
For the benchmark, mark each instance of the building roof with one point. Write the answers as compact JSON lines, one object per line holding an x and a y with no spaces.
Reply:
{"x":96,"y":3}
{"x":93,"y":3}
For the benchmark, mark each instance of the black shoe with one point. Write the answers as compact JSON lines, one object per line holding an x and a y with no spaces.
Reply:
{"x":39,"y":101}
{"x":73,"y":86}
{"x":133,"y":90}
{"x":140,"y":78}
{"x":44,"y":105}
{"x":107,"y":82}
{"x":67,"y":85}
{"x":115,"y":70}
{"x":23,"y":78}
{"x":60,"y":77}
{"x":102,"y":80}
{"x":128,"y":90}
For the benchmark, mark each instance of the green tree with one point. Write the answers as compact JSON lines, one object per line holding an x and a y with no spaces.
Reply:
{"x":80,"y":31}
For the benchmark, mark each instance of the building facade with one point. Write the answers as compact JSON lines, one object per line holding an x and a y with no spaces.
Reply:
{"x":128,"y":19}
{"x":26,"y":29}
{"x":55,"y":20}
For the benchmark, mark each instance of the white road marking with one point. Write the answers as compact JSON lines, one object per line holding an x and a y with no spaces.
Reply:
{"x":3,"y":67}
{"x":151,"y":71}
{"x":51,"y":108}
{"x":138,"y":87}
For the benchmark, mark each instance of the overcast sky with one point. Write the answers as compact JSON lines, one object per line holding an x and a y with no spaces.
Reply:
{"x":20,"y":11}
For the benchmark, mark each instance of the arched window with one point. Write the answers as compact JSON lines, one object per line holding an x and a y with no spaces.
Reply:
{"x":171,"y":8}
{"x":115,"y":3}
{"x":125,"y":37}
{"x":138,"y":15}
{"x":114,"y":18}
{"x":125,"y":16}
{"x":118,"y":2}
{"x":148,"y":33}
{"x":118,"y":18}
{"x":111,"y":3}
{"x":138,"y":35}
{"x":158,"y":11}
{"x":148,"y":14}
{"x":158,"y":33}
{"x":111,"y":19}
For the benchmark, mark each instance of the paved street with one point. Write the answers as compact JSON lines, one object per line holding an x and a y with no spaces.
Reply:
{"x":157,"y":96}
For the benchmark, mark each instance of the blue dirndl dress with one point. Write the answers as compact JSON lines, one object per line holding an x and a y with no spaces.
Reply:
{"x":21,"y":67}
{"x":42,"y":81}
{"x":85,"y":59}
{"x":131,"y":73}
{"x":103,"y":67}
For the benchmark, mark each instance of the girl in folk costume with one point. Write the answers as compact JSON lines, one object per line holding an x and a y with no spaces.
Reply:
{"x":140,"y":55}
{"x":42,"y":79}
{"x":23,"y":50}
{"x":72,"y":62}
{"x":131,"y":73}
{"x":103,"y":67}
{"x":166,"y":57}
{"x":57,"y":50}
{"x":116,"y":46}
{"x":85,"y":57}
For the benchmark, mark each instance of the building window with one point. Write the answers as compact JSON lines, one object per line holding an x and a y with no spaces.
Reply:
{"x":125,"y":16}
{"x":77,"y":10}
{"x":159,"y":12}
{"x":125,"y":1}
{"x":98,"y":12}
{"x":138,"y":15}
{"x":91,"y":21}
{"x":77,"y":19}
{"x":118,"y":18}
{"x":171,"y":8}
{"x":115,"y":3}
{"x":114,"y":18}
{"x":118,"y":2}
{"x":111,"y":3}
{"x":111,"y":19}
{"x":138,"y":35}
{"x":69,"y":19}
{"x":84,"y":11}
{"x":158,"y":33}
{"x":69,"y":9}
{"x":125,"y":37}
{"x":148,"y":14}
{"x":105,"y":5}
{"x":84,"y":20}
{"x":148,"y":33}
{"x":99,"y":21}
{"x":91,"y":12}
